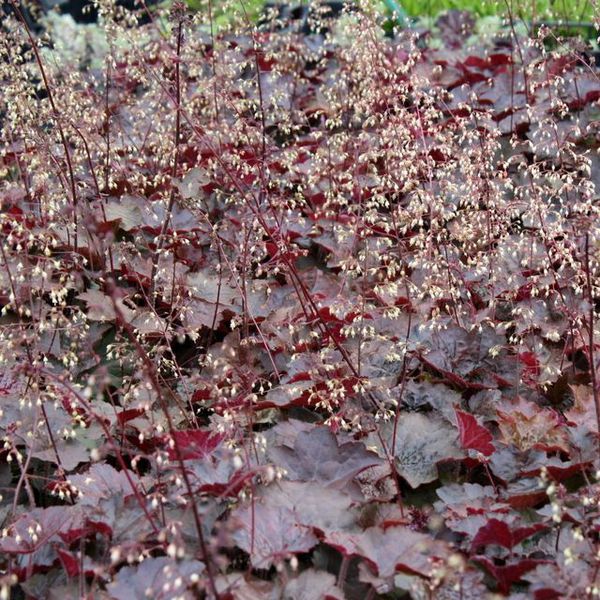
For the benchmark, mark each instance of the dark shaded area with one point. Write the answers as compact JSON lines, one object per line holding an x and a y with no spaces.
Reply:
{"x":82,"y":11}
{"x":302,"y":19}
{"x":6,"y":9}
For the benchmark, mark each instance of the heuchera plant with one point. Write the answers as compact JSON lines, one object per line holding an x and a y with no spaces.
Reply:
{"x":298,"y":315}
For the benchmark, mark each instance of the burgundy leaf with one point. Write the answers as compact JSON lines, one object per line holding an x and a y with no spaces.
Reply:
{"x":69,"y":562}
{"x":474,"y":436}
{"x":506,"y":575}
{"x":499,"y":533}
{"x":194,"y":443}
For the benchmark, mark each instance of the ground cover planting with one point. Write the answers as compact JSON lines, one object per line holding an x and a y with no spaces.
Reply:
{"x":298,"y":315}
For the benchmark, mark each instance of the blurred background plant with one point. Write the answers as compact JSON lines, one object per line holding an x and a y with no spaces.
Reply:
{"x":227,"y":12}
{"x":566,"y":10}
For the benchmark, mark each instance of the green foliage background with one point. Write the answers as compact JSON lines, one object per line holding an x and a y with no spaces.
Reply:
{"x":566,"y":10}
{"x":571,"y":10}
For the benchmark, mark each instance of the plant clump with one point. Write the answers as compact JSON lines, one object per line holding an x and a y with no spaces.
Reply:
{"x":301,"y":315}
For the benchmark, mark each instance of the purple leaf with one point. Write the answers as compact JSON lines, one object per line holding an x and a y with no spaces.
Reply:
{"x":318,"y":457}
{"x":161,"y":578}
{"x":270,"y":534}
